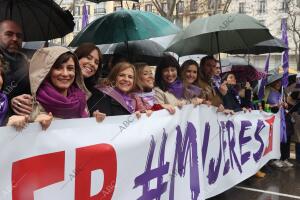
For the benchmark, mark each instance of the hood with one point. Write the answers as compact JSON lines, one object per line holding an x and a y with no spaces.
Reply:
{"x":41,"y":64}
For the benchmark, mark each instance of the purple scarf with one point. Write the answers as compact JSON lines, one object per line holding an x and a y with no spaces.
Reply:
{"x":216,"y":80}
{"x":3,"y":107}
{"x":72,"y":106}
{"x":274,"y":97}
{"x":177,"y":89}
{"x":127,"y":99}
{"x":148,"y":97}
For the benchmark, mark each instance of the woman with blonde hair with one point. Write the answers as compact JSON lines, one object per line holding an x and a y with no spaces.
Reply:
{"x":145,"y":82}
{"x":116,"y":92}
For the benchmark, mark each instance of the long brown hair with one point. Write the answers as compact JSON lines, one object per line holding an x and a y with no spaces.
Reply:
{"x":84,"y":50}
{"x":184,"y":67}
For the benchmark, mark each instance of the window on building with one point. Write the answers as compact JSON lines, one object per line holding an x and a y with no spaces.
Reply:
{"x":165,"y":7}
{"x":148,"y":7}
{"x":298,"y":3}
{"x":180,"y":7}
{"x":77,"y":10}
{"x":67,"y":1}
{"x":100,"y":9}
{"x":194,"y":5}
{"x":212,"y":4}
{"x":77,"y":25}
{"x":262,"y":6}
{"x":116,"y":8}
{"x":242,"y":8}
{"x":284,"y":6}
{"x":136,"y":6}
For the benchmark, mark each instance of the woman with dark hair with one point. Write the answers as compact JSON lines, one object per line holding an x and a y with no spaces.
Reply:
{"x":115,"y":95}
{"x":169,"y":89}
{"x":90,"y":62}
{"x":57,"y":86}
{"x":232,"y":99}
{"x":145,"y":82}
{"x":274,"y":98}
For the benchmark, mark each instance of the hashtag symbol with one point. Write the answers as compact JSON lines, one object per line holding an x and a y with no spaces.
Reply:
{"x":152,"y":174}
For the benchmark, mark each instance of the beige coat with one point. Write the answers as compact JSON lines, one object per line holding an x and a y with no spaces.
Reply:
{"x":40,"y":66}
{"x":165,"y":97}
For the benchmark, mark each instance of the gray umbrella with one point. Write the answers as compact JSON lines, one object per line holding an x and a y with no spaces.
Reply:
{"x":219,"y":33}
{"x":269,"y":46}
{"x":275,"y":75}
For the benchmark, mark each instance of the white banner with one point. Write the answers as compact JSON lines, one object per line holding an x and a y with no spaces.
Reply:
{"x":194,"y":154}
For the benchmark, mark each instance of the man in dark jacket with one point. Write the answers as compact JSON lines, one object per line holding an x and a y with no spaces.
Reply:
{"x":16,"y":84}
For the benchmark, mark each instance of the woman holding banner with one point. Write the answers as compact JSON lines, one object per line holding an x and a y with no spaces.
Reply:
{"x":169,"y":88}
{"x":116,"y":93}
{"x":57,"y":86}
{"x":145,"y":82}
{"x":273,"y":98}
{"x":90,"y":57}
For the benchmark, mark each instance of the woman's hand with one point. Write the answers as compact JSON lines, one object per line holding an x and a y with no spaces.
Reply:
{"x":45,"y":120}
{"x":248,"y":86}
{"x":220,"y":108}
{"x":180,"y":104}
{"x":138,"y":114}
{"x":169,"y":108}
{"x":99,"y":116}
{"x":223,"y":88}
{"x":19,"y":122}
{"x":228,"y":112}
{"x":149,"y":113}
{"x":208,"y":103}
{"x":197,"y":101}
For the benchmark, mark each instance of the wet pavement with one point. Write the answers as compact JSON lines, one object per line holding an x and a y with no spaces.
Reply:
{"x":279,"y":184}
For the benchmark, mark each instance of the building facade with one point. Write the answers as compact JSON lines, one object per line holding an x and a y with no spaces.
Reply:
{"x":270,"y":13}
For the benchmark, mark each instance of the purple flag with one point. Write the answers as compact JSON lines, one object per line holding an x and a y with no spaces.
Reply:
{"x":285,"y":55}
{"x":85,"y":17}
{"x":261,"y":90}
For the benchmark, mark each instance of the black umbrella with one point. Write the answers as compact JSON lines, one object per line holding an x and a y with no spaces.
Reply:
{"x":137,"y":51}
{"x":40,"y":20}
{"x":268,"y":46}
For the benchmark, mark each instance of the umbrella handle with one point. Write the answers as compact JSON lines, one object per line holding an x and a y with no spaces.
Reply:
{"x":217,"y":36}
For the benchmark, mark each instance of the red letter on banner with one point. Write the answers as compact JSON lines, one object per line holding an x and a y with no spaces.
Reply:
{"x":269,"y":148}
{"x":88,"y":159}
{"x":35,"y":173}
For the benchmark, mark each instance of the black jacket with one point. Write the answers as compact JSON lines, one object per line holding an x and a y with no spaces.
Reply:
{"x":233,"y":102}
{"x":105,"y":104}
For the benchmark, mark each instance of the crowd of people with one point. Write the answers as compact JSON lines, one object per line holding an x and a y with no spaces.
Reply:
{"x":60,"y":84}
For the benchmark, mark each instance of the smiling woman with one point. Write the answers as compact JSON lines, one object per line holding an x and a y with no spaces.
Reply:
{"x":169,"y":88}
{"x":56,"y":86}
{"x":115,"y":96}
